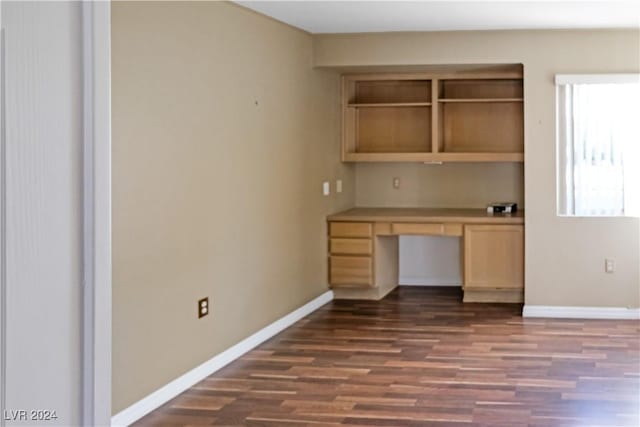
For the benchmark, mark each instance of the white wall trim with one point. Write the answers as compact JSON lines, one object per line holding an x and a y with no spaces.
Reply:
{"x":422,"y":281}
{"x":3,"y":231}
{"x":580,"y":312}
{"x":96,"y":323}
{"x":570,"y":79}
{"x":88,"y":215}
{"x":180,"y":384}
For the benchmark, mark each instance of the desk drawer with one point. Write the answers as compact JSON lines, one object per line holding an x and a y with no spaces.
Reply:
{"x":350,"y":229}
{"x":350,"y":270}
{"x":420,"y":229}
{"x":350,"y":246}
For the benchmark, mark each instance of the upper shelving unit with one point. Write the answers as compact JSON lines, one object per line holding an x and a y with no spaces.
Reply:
{"x":463,"y":116}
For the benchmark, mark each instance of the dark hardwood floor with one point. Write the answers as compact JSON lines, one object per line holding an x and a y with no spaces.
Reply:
{"x":422,"y":358}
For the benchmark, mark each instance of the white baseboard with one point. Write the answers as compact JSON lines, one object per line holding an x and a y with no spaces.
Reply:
{"x":180,"y":384}
{"x":421,"y":281}
{"x":580,"y":312}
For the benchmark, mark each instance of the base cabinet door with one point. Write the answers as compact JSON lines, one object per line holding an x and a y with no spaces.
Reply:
{"x":493,"y":257}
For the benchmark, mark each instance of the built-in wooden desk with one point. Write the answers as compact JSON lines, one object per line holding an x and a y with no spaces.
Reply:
{"x":363,"y":250}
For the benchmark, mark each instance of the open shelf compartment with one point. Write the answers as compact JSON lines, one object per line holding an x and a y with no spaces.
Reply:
{"x":390,"y":92}
{"x":393,"y":130}
{"x":480,"y":89}
{"x":481,"y":128}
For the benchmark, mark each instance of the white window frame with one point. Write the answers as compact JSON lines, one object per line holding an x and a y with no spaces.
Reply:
{"x":569,"y":79}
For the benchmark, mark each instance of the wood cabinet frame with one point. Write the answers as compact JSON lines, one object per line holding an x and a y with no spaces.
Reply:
{"x":406,"y":127}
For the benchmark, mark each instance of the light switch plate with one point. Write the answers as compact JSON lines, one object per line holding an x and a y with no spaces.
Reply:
{"x":339,"y":186}
{"x":326,"y":189}
{"x":609,"y":266}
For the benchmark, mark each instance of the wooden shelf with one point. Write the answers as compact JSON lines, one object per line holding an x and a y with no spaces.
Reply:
{"x":481,"y":100}
{"x":434,"y":158}
{"x":390,"y":104}
{"x":444,"y":215}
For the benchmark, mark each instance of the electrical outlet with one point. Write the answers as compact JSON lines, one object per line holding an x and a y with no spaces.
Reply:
{"x":609,"y":266}
{"x":396,"y":182}
{"x":339,"y":186}
{"x":203,"y":307}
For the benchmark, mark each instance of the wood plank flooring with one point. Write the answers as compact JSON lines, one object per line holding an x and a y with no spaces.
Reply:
{"x":422,"y":358}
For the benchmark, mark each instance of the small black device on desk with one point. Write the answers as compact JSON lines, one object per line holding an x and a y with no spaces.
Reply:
{"x":502,"y":207}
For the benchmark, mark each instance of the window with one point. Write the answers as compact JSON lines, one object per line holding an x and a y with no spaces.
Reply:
{"x":598,"y":145}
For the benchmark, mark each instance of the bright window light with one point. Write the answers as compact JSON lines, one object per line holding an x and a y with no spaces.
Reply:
{"x":598,"y":145}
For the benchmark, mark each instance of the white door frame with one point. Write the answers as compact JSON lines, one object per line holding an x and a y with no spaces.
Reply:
{"x":96,"y":331}
{"x":3,"y":228}
{"x":96,"y":311}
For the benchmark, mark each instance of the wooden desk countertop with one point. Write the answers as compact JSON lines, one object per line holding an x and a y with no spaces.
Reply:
{"x":467,"y":216}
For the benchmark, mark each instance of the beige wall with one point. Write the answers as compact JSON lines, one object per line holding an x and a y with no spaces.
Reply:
{"x":223,"y":133}
{"x":564,"y":256}
{"x":451,"y":185}
{"x":222,"y":136}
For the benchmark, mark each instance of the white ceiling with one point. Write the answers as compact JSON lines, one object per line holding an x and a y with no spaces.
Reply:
{"x":428,"y":15}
